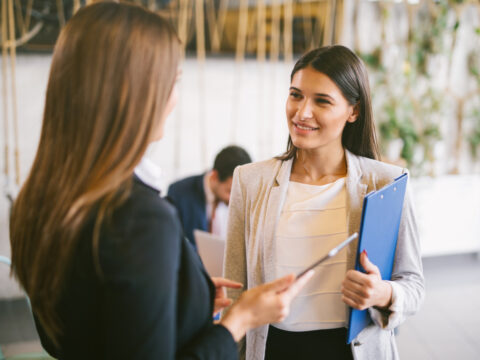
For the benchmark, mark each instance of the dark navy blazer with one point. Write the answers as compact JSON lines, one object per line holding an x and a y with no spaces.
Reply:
{"x":188,"y":195}
{"x":154,"y":300}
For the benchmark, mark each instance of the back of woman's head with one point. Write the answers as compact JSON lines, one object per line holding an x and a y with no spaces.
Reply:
{"x":348,"y":72}
{"x":113,"y":68}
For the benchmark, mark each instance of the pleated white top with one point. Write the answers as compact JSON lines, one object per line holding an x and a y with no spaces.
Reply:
{"x":313,"y":221}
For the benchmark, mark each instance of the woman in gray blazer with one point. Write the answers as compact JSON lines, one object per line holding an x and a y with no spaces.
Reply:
{"x":332,"y":152}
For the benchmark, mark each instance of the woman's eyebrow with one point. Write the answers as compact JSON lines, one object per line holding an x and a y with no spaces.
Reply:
{"x":316,"y":94}
{"x":324,"y":95}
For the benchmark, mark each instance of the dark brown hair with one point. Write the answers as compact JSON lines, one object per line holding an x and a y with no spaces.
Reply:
{"x":348,"y":72}
{"x":113,"y":69}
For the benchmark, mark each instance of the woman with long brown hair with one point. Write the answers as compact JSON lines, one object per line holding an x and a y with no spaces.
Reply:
{"x":288,"y":211}
{"x":100,"y":254}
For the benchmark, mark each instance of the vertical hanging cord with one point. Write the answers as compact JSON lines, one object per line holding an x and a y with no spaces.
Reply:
{"x":14,"y":90}
{"x":288,"y":30}
{"x":28,"y":16}
{"x":239,"y":60}
{"x":76,"y":5}
{"x":183,"y":9}
{"x":261,"y":55}
{"x":20,"y":19}
{"x":275,"y":32}
{"x":4,"y":92}
{"x":261,"y":30}
{"x":200,"y":25}
{"x":60,"y":13}
{"x":242,"y":31}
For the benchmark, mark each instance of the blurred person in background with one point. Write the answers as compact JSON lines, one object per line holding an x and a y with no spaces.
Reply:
{"x":202,"y":200}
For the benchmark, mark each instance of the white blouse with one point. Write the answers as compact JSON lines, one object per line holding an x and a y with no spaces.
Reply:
{"x":313,"y":221}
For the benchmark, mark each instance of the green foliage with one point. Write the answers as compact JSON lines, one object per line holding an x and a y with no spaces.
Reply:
{"x":474,"y":70}
{"x":474,"y":138}
{"x":408,"y":106}
{"x":373,"y":59}
{"x":406,"y":103}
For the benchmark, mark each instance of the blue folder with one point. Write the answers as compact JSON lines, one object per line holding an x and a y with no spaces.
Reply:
{"x":381,"y":215}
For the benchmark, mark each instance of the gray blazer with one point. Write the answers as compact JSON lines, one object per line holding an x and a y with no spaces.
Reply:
{"x":258,"y":193}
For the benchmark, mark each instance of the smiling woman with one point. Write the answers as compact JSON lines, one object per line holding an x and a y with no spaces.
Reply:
{"x":317,"y":111}
{"x":288,"y":211}
{"x":332,"y":79}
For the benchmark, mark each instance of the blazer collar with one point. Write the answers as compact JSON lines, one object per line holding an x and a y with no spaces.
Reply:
{"x":354,"y":170}
{"x":283,"y":174}
{"x":276,"y":198}
{"x":356,"y":191}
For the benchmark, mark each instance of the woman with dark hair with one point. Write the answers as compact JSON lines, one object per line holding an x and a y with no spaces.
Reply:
{"x":288,"y":211}
{"x":100,"y":254}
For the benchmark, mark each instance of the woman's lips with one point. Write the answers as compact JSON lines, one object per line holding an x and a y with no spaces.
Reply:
{"x":304,"y":129}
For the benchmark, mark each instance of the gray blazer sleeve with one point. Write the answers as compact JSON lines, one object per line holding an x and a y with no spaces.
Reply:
{"x":235,"y":263}
{"x":407,"y":276}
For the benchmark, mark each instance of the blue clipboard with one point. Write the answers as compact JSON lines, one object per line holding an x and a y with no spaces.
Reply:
{"x":381,"y":215}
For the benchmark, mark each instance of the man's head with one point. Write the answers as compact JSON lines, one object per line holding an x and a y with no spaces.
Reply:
{"x":225,"y":162}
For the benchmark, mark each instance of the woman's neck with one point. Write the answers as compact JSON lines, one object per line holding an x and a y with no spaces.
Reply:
{"x":319,"y":166}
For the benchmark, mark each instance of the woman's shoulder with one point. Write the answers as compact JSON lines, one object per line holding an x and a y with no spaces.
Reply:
{"x":143,"y":226}
{"x":378,"y":171}
{"x":144,"y":199}
{"x":144,"y":206}
{"x":257,"y":169}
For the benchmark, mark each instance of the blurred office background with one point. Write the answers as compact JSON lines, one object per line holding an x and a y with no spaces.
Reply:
{"x":423,"y":58}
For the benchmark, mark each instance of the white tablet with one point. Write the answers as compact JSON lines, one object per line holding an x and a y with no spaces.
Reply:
{"x":211,"y":249}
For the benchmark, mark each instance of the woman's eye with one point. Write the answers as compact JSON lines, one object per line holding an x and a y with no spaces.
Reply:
{"x":322,"y":101}
{"x":295,"y":95}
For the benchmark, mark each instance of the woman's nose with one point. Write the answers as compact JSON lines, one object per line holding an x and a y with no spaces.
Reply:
{"x":305,"y":111}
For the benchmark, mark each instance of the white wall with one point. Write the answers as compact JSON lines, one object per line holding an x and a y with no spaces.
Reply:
{"x":221,"y":102}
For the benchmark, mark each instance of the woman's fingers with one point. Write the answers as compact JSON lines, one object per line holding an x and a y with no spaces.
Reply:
{"x":281,"y":284}
{"x":299,"y":283}
{"x":221,"y":303}
{"x":357,"y":277}
{"x":369,"y":267}
{"x":359,"y":302}
{"x":351,"y":303}
{"x":358,"y":289}
{"x":218,"y":281}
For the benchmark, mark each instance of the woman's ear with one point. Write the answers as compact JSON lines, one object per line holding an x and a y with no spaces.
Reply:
{"x":354,"y":115}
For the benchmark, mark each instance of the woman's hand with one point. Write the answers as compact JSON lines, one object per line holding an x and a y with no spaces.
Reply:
{"x":264,"y":304}
{"x":221,"y":300}
{"x":361,"y":291}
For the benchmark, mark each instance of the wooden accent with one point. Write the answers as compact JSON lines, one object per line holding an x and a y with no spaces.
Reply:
{"x":242,"y":30}
{"x":200,"y":29}
{"x":288,"y":31}
{"x":261,"y":30}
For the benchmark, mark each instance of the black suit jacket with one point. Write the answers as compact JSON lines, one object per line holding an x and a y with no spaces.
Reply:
{"x":155,"y":300}
{"x":188,"y":195}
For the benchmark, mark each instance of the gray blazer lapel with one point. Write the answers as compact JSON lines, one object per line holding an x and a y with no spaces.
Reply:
{"x":356,"y":191}
{"x":276,"y":199}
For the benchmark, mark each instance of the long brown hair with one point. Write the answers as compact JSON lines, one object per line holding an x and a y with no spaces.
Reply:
{"x":348,"y":72}
{"x":113,"y":69}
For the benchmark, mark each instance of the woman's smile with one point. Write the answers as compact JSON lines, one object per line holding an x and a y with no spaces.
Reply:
{"x":304,"y":129}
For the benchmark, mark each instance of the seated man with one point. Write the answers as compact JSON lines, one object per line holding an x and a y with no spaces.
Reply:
{"x":202,"y":200}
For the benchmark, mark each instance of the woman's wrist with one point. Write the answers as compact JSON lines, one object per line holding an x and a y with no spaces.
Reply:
{"x":236,"y":321}
{"x":386,"y":300}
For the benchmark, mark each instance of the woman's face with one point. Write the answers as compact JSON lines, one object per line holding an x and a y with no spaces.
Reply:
{"x":317,"y":111}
